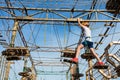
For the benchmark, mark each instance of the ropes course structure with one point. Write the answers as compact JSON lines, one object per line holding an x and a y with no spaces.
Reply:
{"x":39,"y":37}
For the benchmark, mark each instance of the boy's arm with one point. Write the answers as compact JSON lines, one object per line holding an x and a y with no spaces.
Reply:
{"x":79,"y":23}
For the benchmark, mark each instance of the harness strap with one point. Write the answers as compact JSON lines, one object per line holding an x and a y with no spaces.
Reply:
{"x":87,"y":37}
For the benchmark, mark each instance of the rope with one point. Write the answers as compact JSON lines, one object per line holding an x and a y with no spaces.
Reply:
{"x":72,"y":31}
{"x":23,"y":7}
{"x":67,"y":36}
{"x":45,"y":28}
{"x":64,"y":32}
{"x":113,"y":34}
{"x":72,"y":10}
{"x":37,"y":33}
{"x":58,"y":38}
{"x":14,"y":73}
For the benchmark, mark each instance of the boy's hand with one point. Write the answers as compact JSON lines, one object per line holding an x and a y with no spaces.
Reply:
{"x":79,"y":19}
{"x":79,"y":22}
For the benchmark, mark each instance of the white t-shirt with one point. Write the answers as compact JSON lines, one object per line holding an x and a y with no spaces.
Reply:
{"x":87,"y":33}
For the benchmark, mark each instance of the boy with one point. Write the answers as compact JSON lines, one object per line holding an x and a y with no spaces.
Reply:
{"x":88,"y":41}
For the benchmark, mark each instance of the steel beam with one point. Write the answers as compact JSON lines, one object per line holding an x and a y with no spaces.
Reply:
{"x":111,"y":44}
{"x":61,"y":10}
{"x":14,"y":32}
{"x":8,"y":69}
{"x":54,"y":20}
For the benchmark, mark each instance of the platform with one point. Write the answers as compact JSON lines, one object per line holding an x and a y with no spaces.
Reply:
{"x":77,"y":75}
{"x":16,"y":51}
{"x":100,"y":66}
{"x":113,"y":5}
{"x":68,"y":53}
{"x":118,"y":70}
{"x":69,"y":61}
{"x":10,"y":58}
{"x":24,"y":74}
{"x":87,"y":56}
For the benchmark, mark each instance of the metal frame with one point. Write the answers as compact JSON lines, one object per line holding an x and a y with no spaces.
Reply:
{"x":30,"y":18}
{"x":106,"y":54}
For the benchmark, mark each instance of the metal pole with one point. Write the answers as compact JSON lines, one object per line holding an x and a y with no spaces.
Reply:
{"x":66,"y":75}
{"x":7,"y":69}
{"x":3,"y":64}
{"x":90,"y":72}
{"x":55,"y":20}
{"x":62,"y":10}
{"x":14,"y":32}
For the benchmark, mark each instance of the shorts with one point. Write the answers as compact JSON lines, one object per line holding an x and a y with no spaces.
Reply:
{"x":88,"y":44}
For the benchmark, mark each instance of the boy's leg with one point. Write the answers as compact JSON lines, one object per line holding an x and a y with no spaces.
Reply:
{"x":93,"y":52}
{"x":90,"y":45}
{"x":99,"y":64}
{"x":78,"y":50}
{"x":75,"y":59}
{"x":98,"y":59}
